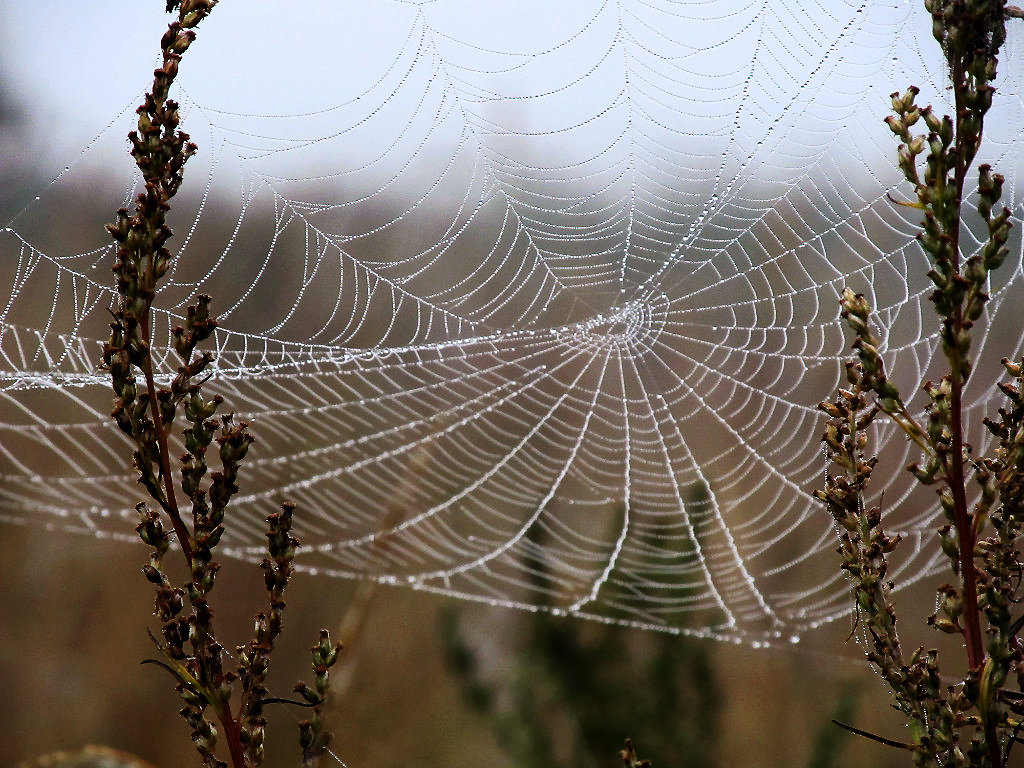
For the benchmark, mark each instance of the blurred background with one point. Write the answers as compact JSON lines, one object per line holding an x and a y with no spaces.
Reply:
{"x":426,"y":681}
{"x":433,"y":682}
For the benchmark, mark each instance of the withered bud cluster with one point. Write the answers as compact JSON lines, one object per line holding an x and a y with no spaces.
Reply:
{"x":630,"y":759}
{"x":147,"y":413}
{"x":933,"y":714}
{"x":160,"y":151}
{"x":972,"y":723}
{"x":313,"y":736}
{"x":971,"y":33}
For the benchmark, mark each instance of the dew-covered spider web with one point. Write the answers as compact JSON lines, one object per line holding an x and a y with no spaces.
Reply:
{"x":528,"y":303}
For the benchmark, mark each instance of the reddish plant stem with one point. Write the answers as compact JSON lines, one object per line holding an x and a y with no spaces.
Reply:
{"x":233,"y":735}
{"x":955,"y":470}
{"x":965,"y":534}
{"x":963,"y":520}
{"x":171,"y":503}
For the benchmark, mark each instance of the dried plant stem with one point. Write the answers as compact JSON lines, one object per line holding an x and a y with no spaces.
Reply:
{"x":966,"y":536}
{"x":964,"y":523}
{"x":967,"y":724}
{"x":170,"y":504}
{"x":233,"y":735}
{"x":965,"y":526}
{"x":191,"y":651}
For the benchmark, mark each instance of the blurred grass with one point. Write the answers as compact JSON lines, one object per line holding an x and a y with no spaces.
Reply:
{"x":73,"y":612}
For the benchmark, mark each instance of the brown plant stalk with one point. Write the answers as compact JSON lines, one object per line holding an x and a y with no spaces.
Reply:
{"x":191,"y":652}
{"x":979,"y":607}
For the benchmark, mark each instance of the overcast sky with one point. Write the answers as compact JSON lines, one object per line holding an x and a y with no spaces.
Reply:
{"x":73,"y":65}
{"x":88,"y":60}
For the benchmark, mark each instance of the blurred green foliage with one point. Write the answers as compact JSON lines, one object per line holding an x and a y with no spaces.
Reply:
{"x":572,"y":691}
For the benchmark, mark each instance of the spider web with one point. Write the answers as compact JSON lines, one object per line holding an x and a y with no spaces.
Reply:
{"x":533,"y":306}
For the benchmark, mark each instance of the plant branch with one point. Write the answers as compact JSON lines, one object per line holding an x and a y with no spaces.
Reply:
{"x":955,"y":458}
{"x":876,"y":737}
{"x":169,"y":502}
{"x":987,"y":571}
